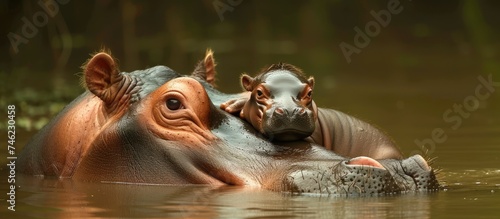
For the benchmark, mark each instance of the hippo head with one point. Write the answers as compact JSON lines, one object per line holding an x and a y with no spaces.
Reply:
{"x":280,"y":105}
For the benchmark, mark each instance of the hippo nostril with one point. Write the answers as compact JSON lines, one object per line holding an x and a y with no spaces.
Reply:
{"x":279,"y":111}
{"x":416,"y":161}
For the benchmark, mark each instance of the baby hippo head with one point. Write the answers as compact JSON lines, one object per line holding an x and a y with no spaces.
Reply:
{"x":280,"y":105}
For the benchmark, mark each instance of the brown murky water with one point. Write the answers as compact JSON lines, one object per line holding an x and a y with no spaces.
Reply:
{"x":409,"y":81}
{"x":469,"y":160}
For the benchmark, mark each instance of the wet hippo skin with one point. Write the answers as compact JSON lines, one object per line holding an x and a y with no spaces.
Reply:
{"x":278,"y":103}
{"x":156,"y":126}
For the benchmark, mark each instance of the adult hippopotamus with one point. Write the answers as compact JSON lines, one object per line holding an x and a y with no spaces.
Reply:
{"x":278,"y":102}
{"x":155,"y":126}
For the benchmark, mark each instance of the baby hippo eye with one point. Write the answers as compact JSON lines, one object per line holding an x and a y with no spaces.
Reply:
{"x":259,"y":93}
{"x":174,"y":104}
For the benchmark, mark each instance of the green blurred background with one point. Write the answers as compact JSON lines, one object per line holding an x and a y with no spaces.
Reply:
{"x":427,"y":59}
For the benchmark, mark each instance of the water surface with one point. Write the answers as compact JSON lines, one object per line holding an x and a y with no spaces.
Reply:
{"x":470,"y":177}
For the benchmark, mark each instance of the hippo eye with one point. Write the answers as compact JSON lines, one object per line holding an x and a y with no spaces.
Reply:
{"x":174,"y":104}
{"x":259,"y":93}
{"x":310,"y":93}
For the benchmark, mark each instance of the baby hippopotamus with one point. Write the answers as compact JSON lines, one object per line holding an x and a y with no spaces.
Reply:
{"x":278,"y":103}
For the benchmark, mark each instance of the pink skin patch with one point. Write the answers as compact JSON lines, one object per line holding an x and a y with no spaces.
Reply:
{"x":365,"y":161}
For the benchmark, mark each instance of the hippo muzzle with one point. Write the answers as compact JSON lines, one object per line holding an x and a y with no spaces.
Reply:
{"x":288,"y":123}
{"x":288,"y":116}
{"x":413,"y":174}
{"x":363,"y":176}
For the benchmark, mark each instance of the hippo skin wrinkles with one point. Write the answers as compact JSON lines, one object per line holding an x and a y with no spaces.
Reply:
{"x":122,"y":130}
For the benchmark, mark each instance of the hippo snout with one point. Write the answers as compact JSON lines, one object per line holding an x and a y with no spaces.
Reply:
{"x":288,"y":124}
{"x":413,"y":173}
{"x":364,"y":176}
{"x":361,"y":176}
{"x":297,"y":111}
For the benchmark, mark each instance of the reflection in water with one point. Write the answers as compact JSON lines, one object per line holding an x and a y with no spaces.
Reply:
{"x":50,"y":198}
{"x":469,"y":194}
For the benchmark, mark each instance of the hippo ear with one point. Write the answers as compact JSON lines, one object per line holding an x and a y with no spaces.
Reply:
{"x":310,"y":81}
{"x":246,"y":82}
{"x":209,"y":62}
{"x":206,"y":69}
{"x":101,"y":73}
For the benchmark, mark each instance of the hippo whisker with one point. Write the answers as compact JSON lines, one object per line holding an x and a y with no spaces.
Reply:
{"x":402,"y":176}
{"x":323,"y":175}
{"x":352,"y":184}
{"x":319,"y":184}
{"x":430,"y":161}
{"x":360,"y":191}
{"x":437,"y":171}
{"x":302,"y":174}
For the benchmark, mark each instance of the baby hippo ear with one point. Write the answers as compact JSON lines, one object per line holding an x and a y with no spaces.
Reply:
{"x":101,"y":73}
{"x":246,"y":82}
{"x":310,"y":81}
